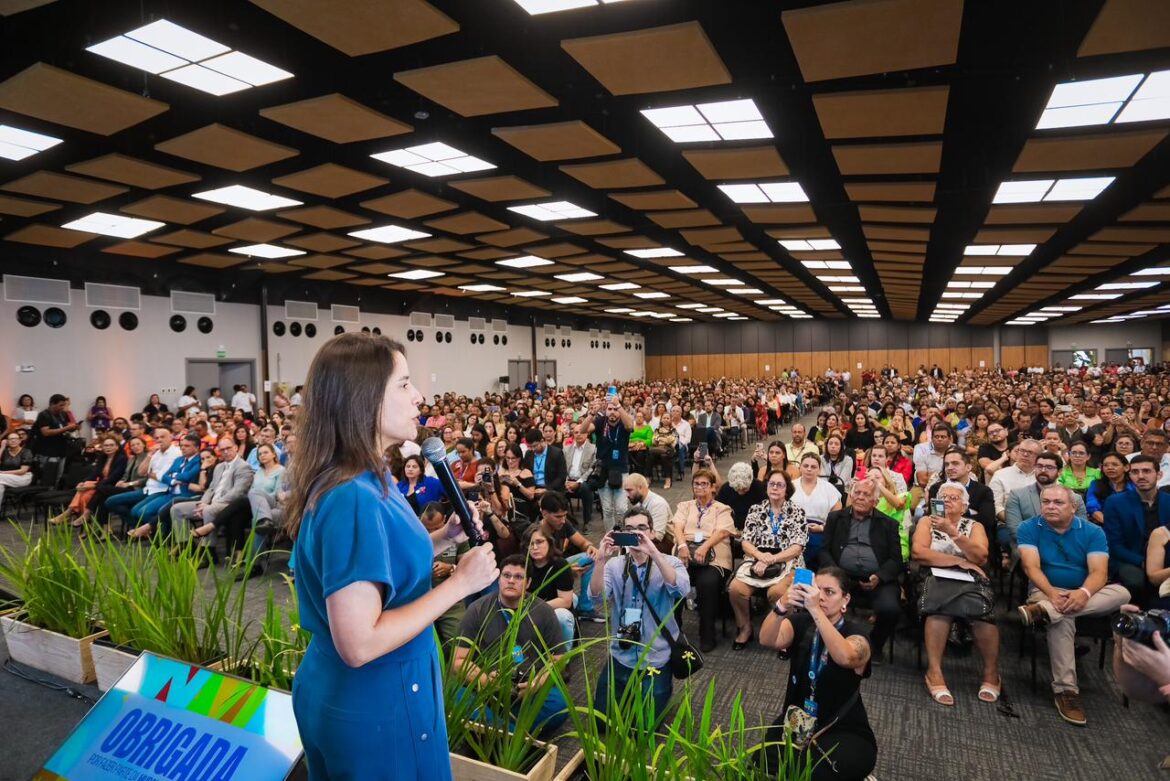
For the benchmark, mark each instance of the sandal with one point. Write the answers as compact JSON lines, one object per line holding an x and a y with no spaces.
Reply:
{"x":989,"y":692}
{"x":666,"y":485}
{"x":940,"y":694}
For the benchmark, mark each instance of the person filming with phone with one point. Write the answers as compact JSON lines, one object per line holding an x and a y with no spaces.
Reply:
{"x":822,"y":713}
{"x":641,"y":587}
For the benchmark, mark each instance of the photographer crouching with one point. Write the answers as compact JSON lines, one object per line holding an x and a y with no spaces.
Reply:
{"x":641,"y":587}
{"x":1141,"y":656}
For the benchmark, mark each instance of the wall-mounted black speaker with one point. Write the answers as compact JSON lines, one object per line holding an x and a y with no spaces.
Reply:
{"x":418,"y":335}
{"x":128,"y":321}
{"x":496,"y":339}
{"x":447,"y":338}
{"x":28,"y":316}
{"x":481,"y":338}
{"x":294,"y":328}
{"x":205,"y":325}
{"x":439,"y":337}
{"x":473,"y":338}
{"x":377,"y":331}
{"x":278,"y":328}
{"x":310,"y":330}
{"x":99,"y":319}
{"x":410,"y":335}
{"x":178,"y":323}
{"x":55,"y":317}
{"x":504,"y":339}
{"x":365,"y":329}
{"x":338,"y":330}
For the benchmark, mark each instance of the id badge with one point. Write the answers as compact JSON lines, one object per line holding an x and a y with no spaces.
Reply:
{"x":631,"y":615}
{"x":810,"y":707}
{"x":517,"y":655}
{"x":616,"y":455}
{"x":698,"y":536}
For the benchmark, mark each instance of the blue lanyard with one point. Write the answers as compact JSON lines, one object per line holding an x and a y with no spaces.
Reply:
{"x":774,"y":523}
{"x":818,"y":659}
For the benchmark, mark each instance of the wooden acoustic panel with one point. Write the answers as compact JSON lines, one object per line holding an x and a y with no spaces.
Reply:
{"x":658,"y":59}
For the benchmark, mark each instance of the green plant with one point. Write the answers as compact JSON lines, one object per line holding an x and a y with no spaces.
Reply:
{"x":282,"y":642}
{"x":58,"y":591}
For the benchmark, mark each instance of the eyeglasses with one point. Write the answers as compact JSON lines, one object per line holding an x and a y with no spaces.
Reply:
{"x":777,"y":484}
{"x":1047,"y":468}
{"x":513,"y":575}
{"x":701,"y":484}
{"x":639,"y":528}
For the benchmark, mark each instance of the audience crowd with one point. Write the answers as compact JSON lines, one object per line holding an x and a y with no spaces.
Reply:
{"x":911,"y":492}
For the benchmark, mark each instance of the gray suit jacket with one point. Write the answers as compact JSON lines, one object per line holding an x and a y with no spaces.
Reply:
{"x":588,"y":456}
{"x":1024,"y":503}
{"x":229,"y":481}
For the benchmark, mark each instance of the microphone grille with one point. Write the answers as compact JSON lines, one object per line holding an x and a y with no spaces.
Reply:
{"x":433,"y":450}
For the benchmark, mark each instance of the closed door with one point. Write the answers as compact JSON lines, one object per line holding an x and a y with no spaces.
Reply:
{"x":544,"y":369}
{"x":204,"y":375}
{"x":232,"y":373}
{"x":518,"y":372}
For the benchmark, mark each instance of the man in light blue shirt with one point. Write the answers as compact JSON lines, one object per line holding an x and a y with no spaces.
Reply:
{"x":639,"y":643}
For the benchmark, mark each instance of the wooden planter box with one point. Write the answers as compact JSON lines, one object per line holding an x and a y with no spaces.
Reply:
{"x":571,"y":766}
{"x":110,"y":663}
{"x":468,"y":769}
{"x":65,"y":657}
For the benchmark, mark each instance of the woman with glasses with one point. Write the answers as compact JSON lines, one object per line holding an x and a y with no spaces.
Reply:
{"x":774,"y":536}
{"x":703,"y":528}
{"x":1077,"y":474}
{"x":954,"y":541}
{"x":638,"y":585}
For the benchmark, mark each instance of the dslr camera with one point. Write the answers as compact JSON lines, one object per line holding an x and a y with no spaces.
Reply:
{"x":628,"y":635}
{"x":1143,"y":626}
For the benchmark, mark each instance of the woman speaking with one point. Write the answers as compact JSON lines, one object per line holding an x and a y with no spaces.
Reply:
{"x":368,"y":697}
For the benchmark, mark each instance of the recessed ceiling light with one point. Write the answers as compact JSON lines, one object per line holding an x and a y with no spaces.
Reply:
{"x":1127,"y":285}
{"x":434,"y":159}
{"x":1089,"y":102}
{"x":809,"y":245}
{"x":535,"y":7}
{"x":17,"y":144}
{"x":527,"y":261}
{"x":868,"y":315}
{"x":722,"y":282}
{"x":694,"y":269}
{"x":724,"y":314}
{"x":847,"y":288}
{"x":681,"y":320}
{"x":267,"y":251}
{"x":739,"y":317}
{"x":661,"y":315}
{"x":771,"y":301}
{"x":178,"y":54}
{"x":619,"y":310}
{"x":531,"y":293}
{"x":620,"y":286}
{"x":1094,"y":296}
{"x":1036,"y":190}
{"x":709,"y":309}
{"x":416,"y":274}
{"x":839,"y":265}
{"x":652,"y":295}
{"x":962,"y":295}
{"x":113,"y":225}
{"x":482,"y":288}
{"x":389,"y":234}
{"x":1156,"y":271}
{"x":247,"y":198}
{"x":1004,"y":250}
{"x":765,"y":192}
{"x":745,"y":291}
{"x":729,"y":120}
{"x":568,"y":300}
{"x":657,"y":252}
{"x":1061,"y":308}
{"x":689,"y":306}
{"x":841,"y":278}
{"x":1150,"y":102}
{"x":801,"y":316}
{"x":579,"y":276}
{"x":552,"y":210}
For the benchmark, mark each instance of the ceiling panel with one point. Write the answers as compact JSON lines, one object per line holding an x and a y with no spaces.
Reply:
{"x":65,"y":98}
{"x":62,"y":187}
{"x":358,"y":27}
{"x":1087,"y":152}
{"x":878,"y":113}
{"x":902,"y":158}
{"x":223,"y":147}
{"x":168,"y":209}
{"x":257,"y":230}
{"x":324,"y":217}
{"x":614,"y":174}
{"x":758,"y":162}
{"x":408,"y":204}
{"x":330,"y":181}
{"x":336,"y":118}
{"x":472,"y":88}
{"x":500,"y":188}
{"x":131,"y":171}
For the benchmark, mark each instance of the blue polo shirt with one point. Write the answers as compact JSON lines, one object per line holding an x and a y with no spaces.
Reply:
{"x":1064,"y":557}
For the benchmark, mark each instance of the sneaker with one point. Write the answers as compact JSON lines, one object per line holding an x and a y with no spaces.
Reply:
{"x":1032,"y":614}
{"x":590,"y":615}
{"x":1068,"y":705}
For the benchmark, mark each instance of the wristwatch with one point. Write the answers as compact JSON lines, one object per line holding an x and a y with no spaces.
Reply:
{"x":783,"y":613}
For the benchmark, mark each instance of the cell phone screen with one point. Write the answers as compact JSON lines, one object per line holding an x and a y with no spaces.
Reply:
{"x":936,"y":507}
{"x":625,"y":539}
{"x":802,"y":577}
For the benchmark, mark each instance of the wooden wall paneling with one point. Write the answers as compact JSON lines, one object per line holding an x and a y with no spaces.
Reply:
{"x":698,"y":368}
{"x":899,"y":359}
{"x":1012,"y":357}
{"x":985,"y":354}
{"x":717,"y":365}
{"x":781,"y":361}
{"x":838,"y":359}
{"x":803,"y":362}
{"x":1036,"y":354}
{"x":961,"y":356}
{"x":653,"y":367}
{"x":733,"y":364}
{"x":856,"y":357}
{"x":917,"y":357}
{"x":762,"y":360}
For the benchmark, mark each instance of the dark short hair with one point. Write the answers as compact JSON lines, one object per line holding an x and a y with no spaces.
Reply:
{"x":432,"y":508}
{"x":839,"y":575}
{"x":57,"y":398}
{"x":958,"y":451}
{"x":944,"y":427}
{"x":554,"y":502}
{"x":788,"y":491}
{"x":1046,"y":456}
{"x":193,"y":439}
{"x":1156,"y":433}
{"x":636,"y":510}
{"x":533,"y":435}
{"x":515,"y":560}
{"x":1140,"y":459}
{"x":467,"y":442}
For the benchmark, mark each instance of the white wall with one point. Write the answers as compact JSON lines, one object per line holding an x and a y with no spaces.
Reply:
{"x":124,"y":366}
{"x":127,"y":366}
{"x":1137,"y":335}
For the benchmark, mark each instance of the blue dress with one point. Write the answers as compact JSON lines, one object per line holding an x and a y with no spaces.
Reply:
{"x":384,"y":720}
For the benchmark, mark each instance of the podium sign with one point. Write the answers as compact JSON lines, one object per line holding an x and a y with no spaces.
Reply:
{"x":165,"y":719}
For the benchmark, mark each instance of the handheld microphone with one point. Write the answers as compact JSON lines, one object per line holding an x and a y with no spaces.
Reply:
{"x":433,"y":451}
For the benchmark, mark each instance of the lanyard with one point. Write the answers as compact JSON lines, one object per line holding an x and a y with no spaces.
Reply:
{"x":774,"y":522}
{"x":818,"y":659}
{"x":702,"y":511}
{"x":635,"y":595}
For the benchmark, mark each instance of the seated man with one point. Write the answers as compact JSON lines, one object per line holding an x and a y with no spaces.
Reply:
{"x":571,"y":545}
{"x":535,"y":642}
{"x":547,"y":464}
{"x":638,"y":491}
{"x":1130,"y":518}
{"x":1024,"y":502}
{"x":230,"y":482}
{"x":1066,"y":560}
{"x":866,"y":544}
{"x":161,"y":459}
{"x":579,"y":458}
{"x":181,"y":483}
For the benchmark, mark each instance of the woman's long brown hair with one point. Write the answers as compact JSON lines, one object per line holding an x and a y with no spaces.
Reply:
{"x":337,"y":431}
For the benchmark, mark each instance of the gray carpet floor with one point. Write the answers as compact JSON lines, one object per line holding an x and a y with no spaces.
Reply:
{"x":917,"y":738}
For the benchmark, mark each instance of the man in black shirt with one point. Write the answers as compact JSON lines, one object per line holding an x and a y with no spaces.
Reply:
{"x":612,"y":430}
{"x":995,"y":454}
{"x":52,"y":428}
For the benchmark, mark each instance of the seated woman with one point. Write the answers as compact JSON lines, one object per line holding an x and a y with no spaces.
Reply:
{"x":1077,"y":474}
{"x":1114,"y":479}
{"x":663,"y":451}
{"x":1158,"y":567}
{"x":16,"y":463}
{"x":741,"y":492}
{"x":110,"y":466}
{"x":774,"y":537}
{"x":100,"y":416}
{"x":817,"y":497}
{"x":837,"y":465}
{"x":520,"y":482}
{"x":641,"y":440}
{"x":703,"y":528}
{"x":155,"y":408}
{"x":133,"y":477}
{"x":550,"y":577}
{"x":776,"y":458}
{"x":954,"y":541}
{"x":265,"y":486}
{"x":419,"y":488}
{"x":830,"y":656}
